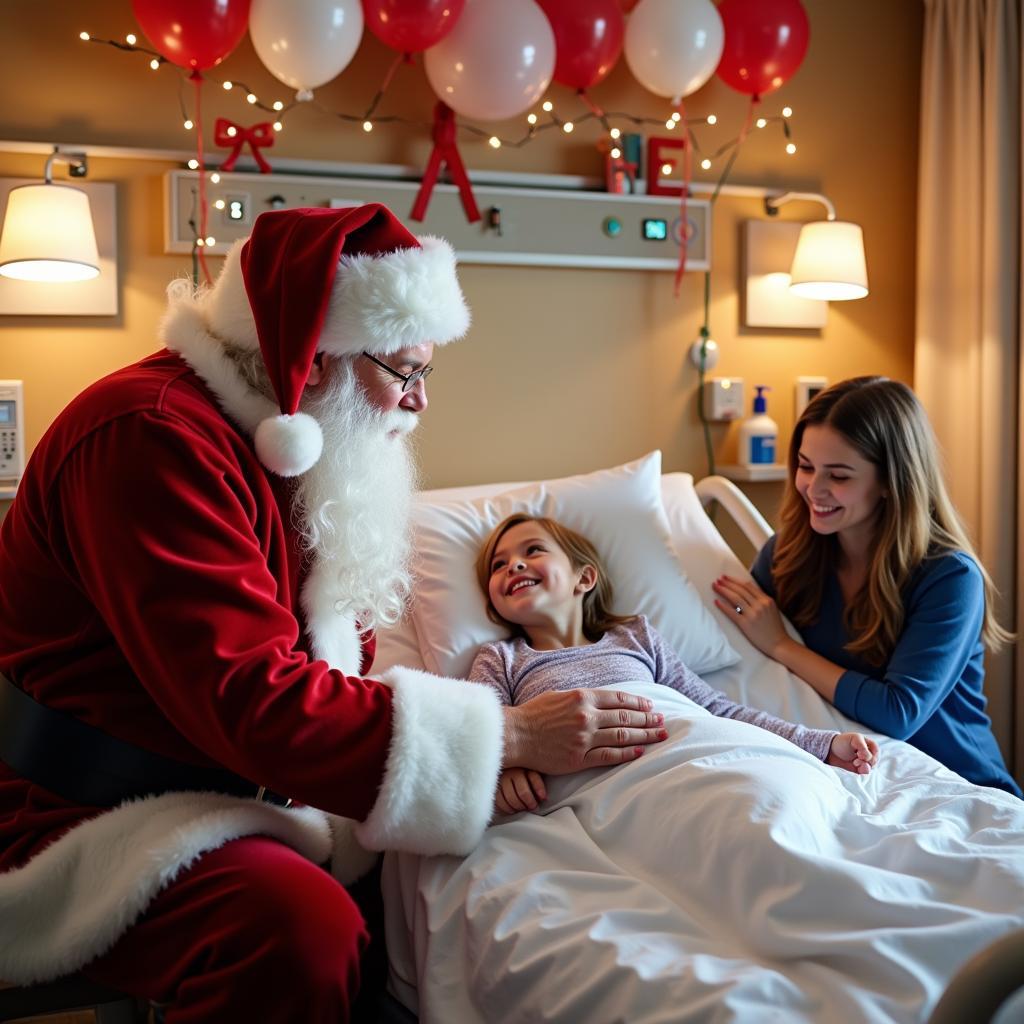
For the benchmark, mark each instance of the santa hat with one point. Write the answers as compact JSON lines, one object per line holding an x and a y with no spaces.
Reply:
{"x":337,"y":281}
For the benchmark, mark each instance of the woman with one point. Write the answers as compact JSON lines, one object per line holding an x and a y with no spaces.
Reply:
{"x":873,"y":566}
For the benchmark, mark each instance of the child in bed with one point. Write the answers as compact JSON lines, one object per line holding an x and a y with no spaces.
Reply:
{"x":546,"y":583}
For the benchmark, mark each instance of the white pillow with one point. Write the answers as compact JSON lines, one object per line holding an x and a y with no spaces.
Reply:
{"x":619,"y":510}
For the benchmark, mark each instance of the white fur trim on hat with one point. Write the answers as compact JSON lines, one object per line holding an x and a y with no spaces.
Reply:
{"x":289,"y":445}
{"x":379,"y":303}
{"x":383,"y":303}
{"x":437,"y":794}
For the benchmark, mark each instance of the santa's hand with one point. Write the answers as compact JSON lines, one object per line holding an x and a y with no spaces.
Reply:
{"x":853,"y":752}
{"x":519,"y":789}
{"x":564,"y":731}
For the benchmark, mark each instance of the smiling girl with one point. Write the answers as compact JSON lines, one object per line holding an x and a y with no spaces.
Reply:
{"x":873,"y":566}
{"x":546,"y":583}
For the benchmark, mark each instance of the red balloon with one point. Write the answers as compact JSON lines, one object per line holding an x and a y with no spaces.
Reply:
{"x":765,"y":43}
{"x":411,"y":25}
{"x":588,"y":39}
{"x":196,"y":34}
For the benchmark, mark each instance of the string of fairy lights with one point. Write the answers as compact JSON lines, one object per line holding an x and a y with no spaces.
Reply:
{"x":612,"y":143}
{"x":536,"y":123}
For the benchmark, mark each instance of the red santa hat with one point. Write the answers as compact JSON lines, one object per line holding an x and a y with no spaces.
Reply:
{"x":336,"y":281}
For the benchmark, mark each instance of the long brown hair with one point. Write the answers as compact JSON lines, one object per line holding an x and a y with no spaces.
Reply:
{"x":597,"y":602}
{"x":883,"y":420}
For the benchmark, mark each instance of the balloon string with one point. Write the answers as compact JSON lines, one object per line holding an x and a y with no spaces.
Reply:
{"x":740,"y":139}
{"x":684,"y":225}
{"x":401,"y":58}
{"x":197,"y":78}
{"x":755,"y":99}
{"x":594,"y":108}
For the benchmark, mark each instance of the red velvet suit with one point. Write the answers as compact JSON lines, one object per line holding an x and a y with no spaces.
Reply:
{"x":149,"y":585}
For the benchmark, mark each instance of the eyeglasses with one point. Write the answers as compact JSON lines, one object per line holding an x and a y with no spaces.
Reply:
{"x":409,"y":381}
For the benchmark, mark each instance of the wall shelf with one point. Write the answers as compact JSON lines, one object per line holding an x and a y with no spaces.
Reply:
{"x":754,"y":474}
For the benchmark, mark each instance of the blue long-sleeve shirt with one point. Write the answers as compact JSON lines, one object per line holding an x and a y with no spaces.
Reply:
{"x":930,"y":691}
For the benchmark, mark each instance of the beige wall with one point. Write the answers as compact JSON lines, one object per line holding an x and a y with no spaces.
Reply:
{"x":565,"y":370}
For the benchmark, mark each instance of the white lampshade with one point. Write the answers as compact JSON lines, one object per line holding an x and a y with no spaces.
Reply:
{"x":48,"y":235}
{"x":829,"y":262}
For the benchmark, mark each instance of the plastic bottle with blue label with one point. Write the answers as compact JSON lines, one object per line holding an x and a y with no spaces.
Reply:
{"x":758,"y":433}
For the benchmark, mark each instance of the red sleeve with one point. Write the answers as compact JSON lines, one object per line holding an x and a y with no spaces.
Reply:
{"x":171,"y":543}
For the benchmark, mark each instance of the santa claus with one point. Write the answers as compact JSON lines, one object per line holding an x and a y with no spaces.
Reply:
{"x":190,"y":576}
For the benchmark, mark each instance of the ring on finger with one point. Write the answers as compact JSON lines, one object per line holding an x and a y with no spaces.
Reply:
{"x":739,"y":609}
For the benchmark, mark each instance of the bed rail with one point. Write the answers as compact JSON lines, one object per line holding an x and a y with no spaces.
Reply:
{"x":752,"y":524}
{"x":984,"y":984}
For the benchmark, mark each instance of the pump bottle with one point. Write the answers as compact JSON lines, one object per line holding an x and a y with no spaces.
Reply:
{"x":758,"y":433}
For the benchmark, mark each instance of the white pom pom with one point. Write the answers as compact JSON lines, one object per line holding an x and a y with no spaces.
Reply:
{"x":289,"y":445}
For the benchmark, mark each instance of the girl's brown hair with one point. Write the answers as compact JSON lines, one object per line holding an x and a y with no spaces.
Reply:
{"x":883,"y":420}
{"x":597,"y":614}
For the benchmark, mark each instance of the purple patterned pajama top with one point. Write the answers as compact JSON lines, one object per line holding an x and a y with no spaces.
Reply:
{"x":633,"y":650}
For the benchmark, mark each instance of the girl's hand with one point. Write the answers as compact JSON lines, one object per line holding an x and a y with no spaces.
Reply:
{"x":853,"y":752}
{"x":519,"y":789}
{"x":753,"y":612}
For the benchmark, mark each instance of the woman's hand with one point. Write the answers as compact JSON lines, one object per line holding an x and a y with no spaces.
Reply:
{"x":753,"y":612}
{"x":853,"y":752}
{"x":565,"y":731}
{"x":519,"y":789}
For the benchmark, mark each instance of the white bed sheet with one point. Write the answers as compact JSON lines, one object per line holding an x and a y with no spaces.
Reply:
{"x":727,"y":877}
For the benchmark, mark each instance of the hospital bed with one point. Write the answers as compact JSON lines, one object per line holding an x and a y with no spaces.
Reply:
{"x":725,"y":875}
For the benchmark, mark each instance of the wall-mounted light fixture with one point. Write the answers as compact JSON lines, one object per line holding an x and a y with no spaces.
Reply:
{"x":829,"y":261}
{"x":793,"y":270}
{"x":48,"y":232}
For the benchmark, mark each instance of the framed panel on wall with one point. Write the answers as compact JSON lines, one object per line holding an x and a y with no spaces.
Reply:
{"x":95,"y":297}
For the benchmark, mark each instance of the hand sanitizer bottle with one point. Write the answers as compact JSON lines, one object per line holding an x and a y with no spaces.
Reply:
{"x":758,"y":433}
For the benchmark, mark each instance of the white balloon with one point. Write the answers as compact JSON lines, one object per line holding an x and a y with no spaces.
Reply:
{"x":496,"y":62}
{"x":306,"y":43}
{"x":673,"y":46}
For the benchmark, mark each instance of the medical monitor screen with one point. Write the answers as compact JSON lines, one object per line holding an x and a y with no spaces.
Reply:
{"x":655,"y":229}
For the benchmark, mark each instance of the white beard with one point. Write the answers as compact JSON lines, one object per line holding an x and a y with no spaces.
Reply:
{"x":352,"y":509}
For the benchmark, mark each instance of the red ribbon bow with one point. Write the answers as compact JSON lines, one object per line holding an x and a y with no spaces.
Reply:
{"x":445,"y":152}
{"x":258,"y":137}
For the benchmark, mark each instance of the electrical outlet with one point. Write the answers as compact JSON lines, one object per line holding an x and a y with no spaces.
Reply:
{"x":806,"y":389}
{"x":723,"y":398}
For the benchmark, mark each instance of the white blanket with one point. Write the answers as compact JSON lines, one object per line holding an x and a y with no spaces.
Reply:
{"x":725,"y":875}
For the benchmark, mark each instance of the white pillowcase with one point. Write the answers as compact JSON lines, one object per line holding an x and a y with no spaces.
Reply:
{"x":619,"y":510}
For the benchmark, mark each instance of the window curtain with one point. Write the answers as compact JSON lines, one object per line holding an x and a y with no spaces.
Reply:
{"x":968,"y":344}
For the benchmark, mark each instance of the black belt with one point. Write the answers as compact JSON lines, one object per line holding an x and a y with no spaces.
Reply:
{"x":86,"y":766}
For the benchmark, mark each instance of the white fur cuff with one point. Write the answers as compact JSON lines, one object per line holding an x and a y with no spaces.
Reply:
{"x":438,"y":790}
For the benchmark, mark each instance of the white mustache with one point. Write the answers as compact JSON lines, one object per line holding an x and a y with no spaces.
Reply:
{"x":401,"y":420}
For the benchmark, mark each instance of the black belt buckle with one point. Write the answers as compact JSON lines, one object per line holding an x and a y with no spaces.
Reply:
{"x":268,"y":796}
